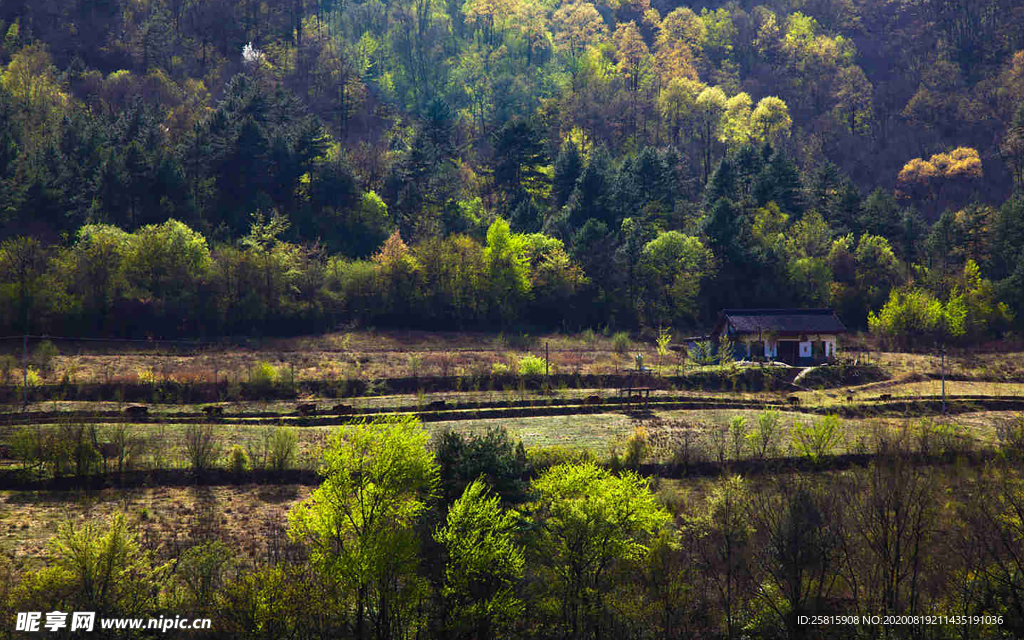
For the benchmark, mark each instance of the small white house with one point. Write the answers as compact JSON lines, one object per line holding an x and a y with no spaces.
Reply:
{"x":794,"y":336}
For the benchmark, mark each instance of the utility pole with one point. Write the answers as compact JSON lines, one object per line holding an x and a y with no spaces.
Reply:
{"x":24,"y":372}
{"x":547,"y":377}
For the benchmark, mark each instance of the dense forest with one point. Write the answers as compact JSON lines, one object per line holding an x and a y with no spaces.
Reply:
{"x":202,"y":167}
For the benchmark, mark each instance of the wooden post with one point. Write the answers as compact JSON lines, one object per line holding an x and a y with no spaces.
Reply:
{"x":943,"y":367}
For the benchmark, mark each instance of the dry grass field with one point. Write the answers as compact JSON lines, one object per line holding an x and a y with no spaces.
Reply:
{"x":368,"y":355}
{"x":249,"y":517}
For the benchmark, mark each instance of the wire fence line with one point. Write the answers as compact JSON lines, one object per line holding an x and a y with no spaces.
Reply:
{"x":267,"y":343}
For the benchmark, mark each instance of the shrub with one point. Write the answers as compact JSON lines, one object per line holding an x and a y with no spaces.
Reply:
{"x":30,"y":447}
{"x":108,"y":570}
{"x":33,"y":378}
{"x":726,"y":355}
{"x":517,"y":342}
{"x":264,"y":375}
{"x":7,"y":364}
{"x":1010,"y":434}
{"x":738,"y":432}
{"x":145,"y":375}
{"x":259,"y":448}
{"x":940,"y":438}
{"x":201,"y":570}
{"x":701,"y":353}
{"x":124,"y":445}
{"x":637,"y":447}
{"x":589,"y":337}
{"x":283,"y":446}
{"x":543,"y":458}
{"x":767,"y":433}
{"x":621,"y":342}
{"x":531,"y":366}
{"x":499,"y":369}
{"x":201,"y":447}
{"x":44,"y":355}
{"x":79,"y":439}
{"x":818,"y":439}
{"x":238,"y":460}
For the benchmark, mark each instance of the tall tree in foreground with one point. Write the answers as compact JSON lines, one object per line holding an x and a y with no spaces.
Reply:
{"x":484,"y":564}
{"x":360,"y":522}
{"x":589,"y":520}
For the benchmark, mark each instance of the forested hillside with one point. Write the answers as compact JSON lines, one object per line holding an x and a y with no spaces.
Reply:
{"x":201,"y":167}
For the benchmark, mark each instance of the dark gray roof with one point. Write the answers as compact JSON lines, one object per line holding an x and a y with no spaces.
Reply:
{"x":785,"y":321}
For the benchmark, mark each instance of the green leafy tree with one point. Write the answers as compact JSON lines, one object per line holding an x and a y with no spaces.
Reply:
{"x":674,"y":265}
{"x":30,"y":291}
{"x":360,"y":522}
{"x":710,"y":109}
{"x":770,"y":121}
{"x":577,"y":26}
{"x":507,"y":270}
{"x":484,"y":564}
{"x":588,"y":521}
{"x":98,"y":262}
{"x":915,"y":318}
{"x":167,"y":262}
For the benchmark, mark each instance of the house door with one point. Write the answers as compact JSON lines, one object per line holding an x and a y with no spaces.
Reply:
{"x":788,"y":351}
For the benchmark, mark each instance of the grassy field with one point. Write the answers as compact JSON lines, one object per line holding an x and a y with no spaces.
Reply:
{"x":252,"y":517}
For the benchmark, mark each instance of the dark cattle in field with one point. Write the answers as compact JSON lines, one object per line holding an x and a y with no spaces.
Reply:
{"x":306,"y":409}
{"x":849,"y":397}
{"x":793,"y":400}
{"x":137,"y":411}
{"x":593,"y":400}
{"x":885,"y":396}
{"x":213,"y":412}
{"x":437,"y":405}
{"x":342,"y":408}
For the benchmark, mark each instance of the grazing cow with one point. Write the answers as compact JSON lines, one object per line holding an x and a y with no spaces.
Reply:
{"x":593,"y":400}
{"x":885,"y":396}
{"x":849,"y":397}
{"x":437,"y":405}
{"x":213,"y":412}
{"x":793,"y":400}
{"x":306,"y":409}
{"x":137,"y":411}
{"x":343,"y":408}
